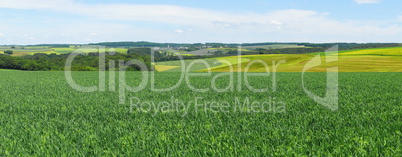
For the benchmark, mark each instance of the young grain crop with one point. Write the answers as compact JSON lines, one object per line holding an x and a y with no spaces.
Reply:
{"x":41,"y":115}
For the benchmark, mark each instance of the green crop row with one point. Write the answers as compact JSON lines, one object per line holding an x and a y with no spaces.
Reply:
{"x":42,"y":115}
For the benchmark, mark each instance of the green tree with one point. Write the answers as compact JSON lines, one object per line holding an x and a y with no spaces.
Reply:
{"x":9,"y":52}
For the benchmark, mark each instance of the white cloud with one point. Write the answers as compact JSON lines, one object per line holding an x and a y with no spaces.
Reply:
{"x":367,"y":1}
{"x":208,"y":25}
{"x":35,"y":4}
{"x":1,"y":35}
{"x":278,"y":25}
{"x":275,"y":22}
{"x":179,"y":31}
{"x":93,"y":34}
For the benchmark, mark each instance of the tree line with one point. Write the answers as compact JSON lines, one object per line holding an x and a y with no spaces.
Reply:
{"x":285,"y":51}
{"x":82,"y":62}
{"x":350,"y":46}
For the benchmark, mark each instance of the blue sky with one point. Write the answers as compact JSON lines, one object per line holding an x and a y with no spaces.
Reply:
{"x":189,"y":21}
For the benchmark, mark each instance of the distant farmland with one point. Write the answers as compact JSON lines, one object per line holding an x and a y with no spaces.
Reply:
{"x":32,"y":50}
{"x":272,"y":46}
{"x":24,"y":52}
{"x":202,"y":52}
{"x":43,"y":116}
{"x":365,"y":60}
{"x":212,"y":51}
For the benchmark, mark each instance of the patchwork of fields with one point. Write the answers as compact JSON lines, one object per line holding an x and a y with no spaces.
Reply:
{"x":88,"y":50}
{"x":24,"y":52}
{"x":209,"y":51}
{"x":42,"y":115}
{"x":279,"y":46}
{"x":366,"y":60}
{"x":197,"y":65}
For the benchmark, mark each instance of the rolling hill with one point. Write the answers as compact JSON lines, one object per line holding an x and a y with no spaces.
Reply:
{"x":362,"y":60}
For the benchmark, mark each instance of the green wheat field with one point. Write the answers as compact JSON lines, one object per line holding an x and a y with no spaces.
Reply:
{"x":42,"y":115}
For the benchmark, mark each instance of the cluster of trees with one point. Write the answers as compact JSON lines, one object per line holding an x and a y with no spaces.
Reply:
{"x":173,"y":58}
{"x":133,"y":44}
{"x":268,"y":43}
{"x":50,"y":45}
{"x":285,"y":51}
{"x":349,"y":46}
{"x":140,"y":51}
{"x":82,"y":62}
{"x":230,"y":52}
{"x":9,"y":62}
{"x":148,"y":52}
{"x":9,"y":52}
